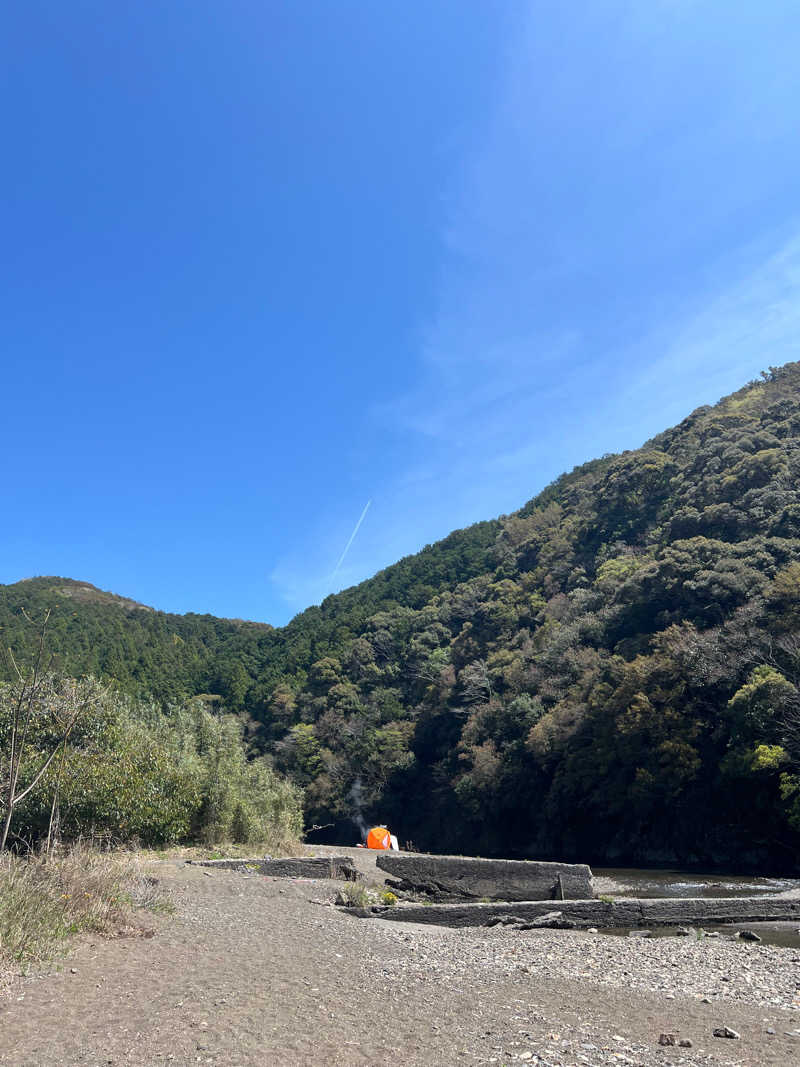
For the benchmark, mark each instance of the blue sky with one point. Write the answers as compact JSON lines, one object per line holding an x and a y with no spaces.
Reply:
{"x":268,"y":263}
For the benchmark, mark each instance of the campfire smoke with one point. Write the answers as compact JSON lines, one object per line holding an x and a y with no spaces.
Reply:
{"x":356,"y":798}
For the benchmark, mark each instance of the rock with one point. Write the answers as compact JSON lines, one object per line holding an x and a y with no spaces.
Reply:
{"x":684,"y":931}
{"x":592,"y":930}
{"x":549,"y":919}
{"x":666,"y":1039}
{"x":469,"y":877}
{"x":726,"y":1031}
{"x":749,"y":935}
{"x":685,"y":1042}
{"x":640,"y":933}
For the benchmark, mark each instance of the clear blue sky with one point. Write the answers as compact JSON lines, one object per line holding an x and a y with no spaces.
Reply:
{"x":265,"y":262}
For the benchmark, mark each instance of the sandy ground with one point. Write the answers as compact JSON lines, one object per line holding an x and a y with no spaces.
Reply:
{"x":249,"y":971}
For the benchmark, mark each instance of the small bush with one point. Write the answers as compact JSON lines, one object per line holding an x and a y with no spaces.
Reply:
{"x":354,"y":895}
{"x":388,"y":898}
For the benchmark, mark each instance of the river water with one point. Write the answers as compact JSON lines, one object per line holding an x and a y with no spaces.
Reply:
{"x":639,"y":882}
{"x":633,"y":882}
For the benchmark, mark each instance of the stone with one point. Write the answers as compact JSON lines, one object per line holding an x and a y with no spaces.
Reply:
{"x":685,"y":1043}
{"x":726,"y":1031}
{"x":549,"y":919}
{"x":471,"y":878}
{"x":749,"y":935}
{"x":666,"y":1039}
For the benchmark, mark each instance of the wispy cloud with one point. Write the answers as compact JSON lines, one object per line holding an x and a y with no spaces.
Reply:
{"x":749,"y":324}
{"x":606,"y":266}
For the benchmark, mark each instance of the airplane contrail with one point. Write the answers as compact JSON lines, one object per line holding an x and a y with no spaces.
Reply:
{"x":352,"y":538}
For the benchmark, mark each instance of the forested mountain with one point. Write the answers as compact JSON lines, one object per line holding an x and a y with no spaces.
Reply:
{"x":610,"y":673}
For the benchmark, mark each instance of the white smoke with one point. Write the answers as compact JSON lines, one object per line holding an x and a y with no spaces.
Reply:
{"x":356,"y":798}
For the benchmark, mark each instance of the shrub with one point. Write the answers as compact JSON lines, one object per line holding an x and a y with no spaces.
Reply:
{"x":134,"y":772}
{"x":354,"y":895}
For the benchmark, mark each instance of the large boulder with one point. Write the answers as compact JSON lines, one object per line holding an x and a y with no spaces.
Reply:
{"x":469,"y":878}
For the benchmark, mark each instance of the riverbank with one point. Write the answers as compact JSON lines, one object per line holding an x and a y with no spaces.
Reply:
{"x":250,"y":971}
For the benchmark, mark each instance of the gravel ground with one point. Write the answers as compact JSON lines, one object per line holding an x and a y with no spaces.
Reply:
{"x":719,"y":970}
{"x":252,"y":970}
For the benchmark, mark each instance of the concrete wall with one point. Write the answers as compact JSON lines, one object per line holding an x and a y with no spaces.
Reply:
{"x":672,"y":911}
{"x":468,"y":878}
{"x":340,"y":867}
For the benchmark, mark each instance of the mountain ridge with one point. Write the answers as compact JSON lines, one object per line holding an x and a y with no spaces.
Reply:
{"x":579,"y":678}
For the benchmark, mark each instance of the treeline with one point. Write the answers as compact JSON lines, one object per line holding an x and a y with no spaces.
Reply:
{"x":610,"y":673}
{"x":125,"y":770}
{"x":169,"y":657}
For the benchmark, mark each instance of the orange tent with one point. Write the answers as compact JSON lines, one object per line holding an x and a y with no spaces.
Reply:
{"x":379,"y":837}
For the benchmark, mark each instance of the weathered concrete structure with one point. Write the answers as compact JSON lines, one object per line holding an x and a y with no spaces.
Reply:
{"x":468,"y":878}
{"x":625,"y":911}
{"x":340,"y":867}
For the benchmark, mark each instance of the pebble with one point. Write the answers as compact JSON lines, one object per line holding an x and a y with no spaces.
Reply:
{"x":726,"y":1031}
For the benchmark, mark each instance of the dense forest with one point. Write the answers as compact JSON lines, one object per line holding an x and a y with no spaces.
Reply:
{"x":610,"y":673}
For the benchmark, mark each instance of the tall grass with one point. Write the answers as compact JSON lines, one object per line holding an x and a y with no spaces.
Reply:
{"x":45,"y":899}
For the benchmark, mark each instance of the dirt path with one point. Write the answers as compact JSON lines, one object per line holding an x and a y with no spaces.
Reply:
{"x":249,"y":972}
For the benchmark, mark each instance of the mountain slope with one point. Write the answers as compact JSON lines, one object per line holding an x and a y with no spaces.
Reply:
{"x":609,"y":673}
{"x":171,"y":656}
{"x":618,"y":683}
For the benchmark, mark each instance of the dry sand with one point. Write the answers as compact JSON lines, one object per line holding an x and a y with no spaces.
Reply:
{"x":249,"y":971}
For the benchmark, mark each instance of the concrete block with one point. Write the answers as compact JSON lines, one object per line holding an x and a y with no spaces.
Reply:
{"x":469,"y":878}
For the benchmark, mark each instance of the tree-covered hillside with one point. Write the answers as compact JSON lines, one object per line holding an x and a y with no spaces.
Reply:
{"x":609,"y":673}
{"x":170,"y":657}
